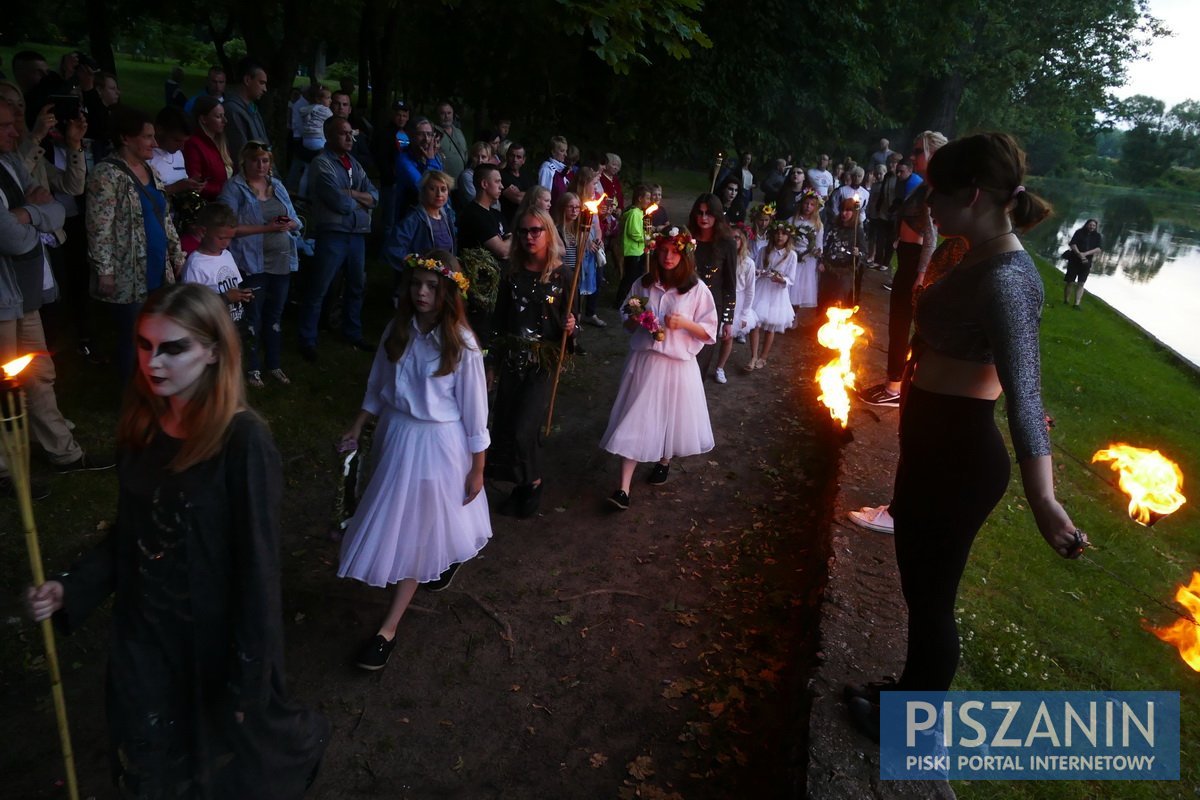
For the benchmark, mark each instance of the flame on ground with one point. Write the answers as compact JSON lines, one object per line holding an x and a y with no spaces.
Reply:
{"x":1151,"y":480}
{"x":1185,"y":634}
{"x":836,"y":378}
{"x":13,"y":368}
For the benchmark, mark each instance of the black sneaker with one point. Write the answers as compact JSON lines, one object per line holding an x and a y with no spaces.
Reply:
{"x":375,"y":652}
{"x":444,"y":580}
{"x":658,"y":475}
{"x":881,"y":396}
{"x":86,"y":463}
{"x":530,"y":502}
{"x":620,"y":500}
{"x":37,"y":489}
{"x":309,"y":353}
{"x":512,"y":504}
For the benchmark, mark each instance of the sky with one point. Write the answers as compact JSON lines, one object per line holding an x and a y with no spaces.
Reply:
{"x":1169,"y":72}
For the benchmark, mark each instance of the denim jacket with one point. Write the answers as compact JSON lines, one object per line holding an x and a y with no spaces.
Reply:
{"x":248,"y":250}
{"x":415,"y":235}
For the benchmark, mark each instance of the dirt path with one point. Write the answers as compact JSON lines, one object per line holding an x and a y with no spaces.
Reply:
{"x":662,"y":652}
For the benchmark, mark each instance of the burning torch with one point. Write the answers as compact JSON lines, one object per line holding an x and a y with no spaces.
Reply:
{"x":14,"y":438}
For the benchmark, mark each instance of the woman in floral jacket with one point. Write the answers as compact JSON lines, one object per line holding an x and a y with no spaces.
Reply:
{"x":132,"y":246}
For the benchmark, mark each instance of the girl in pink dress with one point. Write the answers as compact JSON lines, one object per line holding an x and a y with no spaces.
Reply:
{"x":660,"y":411}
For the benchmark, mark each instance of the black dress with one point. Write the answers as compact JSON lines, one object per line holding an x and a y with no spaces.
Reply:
{"x":197,"y":630}
{"x":527,"y":327}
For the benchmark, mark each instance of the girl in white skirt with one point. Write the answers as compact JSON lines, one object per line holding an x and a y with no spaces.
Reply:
{"x":423,"y":511}
{"x":744,"y":319}
{"x":772,"y":304}
{"x":810,"y":238}
{"x":660,"y":411}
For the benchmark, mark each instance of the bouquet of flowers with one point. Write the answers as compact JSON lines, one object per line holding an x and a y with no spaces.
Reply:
{"x":806,"y":240}
{"x":638,"y":311}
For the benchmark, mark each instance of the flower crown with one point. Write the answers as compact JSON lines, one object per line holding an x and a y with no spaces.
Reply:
{"x":676,"y":237}
{"x":852,"y":203}
{"x":811,"y":194}
{"x":414,"y":261}
{"x":744,"y":228}
{"x":766,"y":209}
{"x":782,"y":225}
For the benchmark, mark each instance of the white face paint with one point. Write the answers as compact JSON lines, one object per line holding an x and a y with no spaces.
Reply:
{"x":170,"y":357}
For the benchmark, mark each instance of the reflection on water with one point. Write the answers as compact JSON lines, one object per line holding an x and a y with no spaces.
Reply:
{"x":1150,"y":267}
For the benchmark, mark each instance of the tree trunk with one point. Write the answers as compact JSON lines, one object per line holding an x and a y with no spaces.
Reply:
{"x":938,"y":109}
{"x":100,"y":34}
{"x":365,"y":22}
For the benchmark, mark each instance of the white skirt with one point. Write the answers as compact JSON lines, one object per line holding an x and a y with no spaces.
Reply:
{"x":660,"y":410}
{"x":803,"y":290}
{"x":411,"y":522}
{"x":773,"y":306}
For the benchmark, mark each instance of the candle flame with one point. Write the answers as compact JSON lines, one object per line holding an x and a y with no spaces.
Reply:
{"x":1151,"y":480}
{"x":593,"y":206}
{"x":1185,"y":633}
{"x":13,"y":368}
{"x":653,"y":207}
{"x":836,"y":378}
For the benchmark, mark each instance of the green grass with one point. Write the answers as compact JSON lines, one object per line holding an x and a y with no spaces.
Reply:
{"x":1031,"y":620}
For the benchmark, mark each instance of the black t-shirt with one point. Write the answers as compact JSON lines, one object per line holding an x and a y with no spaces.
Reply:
{"x":477,"y":225}
{"x":525,"y":181}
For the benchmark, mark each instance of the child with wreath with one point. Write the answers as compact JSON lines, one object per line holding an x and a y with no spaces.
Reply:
{"x":776,"y":270}
{"x":660,"y":411}
{"x":424,"y":511}
{"x":810,"y":237}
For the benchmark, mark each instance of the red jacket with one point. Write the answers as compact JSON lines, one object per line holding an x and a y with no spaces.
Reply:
{"x":203,"y":160}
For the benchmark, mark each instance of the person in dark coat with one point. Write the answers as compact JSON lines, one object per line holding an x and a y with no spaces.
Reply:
{"x":196,"y":701}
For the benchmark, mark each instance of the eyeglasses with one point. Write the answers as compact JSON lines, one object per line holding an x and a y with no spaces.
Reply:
{"x":531,"y":232}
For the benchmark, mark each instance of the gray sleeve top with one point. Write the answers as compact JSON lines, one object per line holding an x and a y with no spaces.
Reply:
{"x":989,"y":313}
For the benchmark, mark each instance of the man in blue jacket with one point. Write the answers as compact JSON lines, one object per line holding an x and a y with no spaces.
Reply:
{"x":340,"y":197}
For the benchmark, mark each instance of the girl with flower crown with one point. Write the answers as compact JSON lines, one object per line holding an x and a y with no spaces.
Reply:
{"x":660,"y":411}
{"x":424,"y":511}
{"x":760,"y":219}
{"x":810,"y":237}
{"x":744,"y":319}
{"x":776,"y":271}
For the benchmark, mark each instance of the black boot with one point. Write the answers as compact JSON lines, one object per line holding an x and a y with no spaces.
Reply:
{"x":530,"y":503}
{"x":516,"y":499}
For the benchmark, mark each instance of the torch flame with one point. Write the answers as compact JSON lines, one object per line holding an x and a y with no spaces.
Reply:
{"x":836,"y":377}
{"x":1185,"y":633}
{"x":653,"y":207}
{"x":13,"y":368}
{"x":1151,"y":480}
{"x":593,"y":206}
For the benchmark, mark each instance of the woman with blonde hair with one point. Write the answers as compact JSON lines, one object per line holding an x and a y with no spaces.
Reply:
{"x":196,"y":698}
{"x":530,"y":317}
{"x":265,"y":249}
{"x":205,"y":153}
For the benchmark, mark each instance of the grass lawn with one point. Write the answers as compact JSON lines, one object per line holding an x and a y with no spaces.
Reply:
{"x":1030,"y":620}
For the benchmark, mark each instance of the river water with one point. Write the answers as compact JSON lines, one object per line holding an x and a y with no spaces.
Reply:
{"x":1150,"y":267}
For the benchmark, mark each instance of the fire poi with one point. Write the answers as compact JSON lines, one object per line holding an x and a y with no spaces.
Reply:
{"x":836,"y":378}
{"x":1151,"y":480}
{"x":1185,"y":633}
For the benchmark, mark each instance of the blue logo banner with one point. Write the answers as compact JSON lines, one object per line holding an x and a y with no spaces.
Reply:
{"x":1126,"y":736}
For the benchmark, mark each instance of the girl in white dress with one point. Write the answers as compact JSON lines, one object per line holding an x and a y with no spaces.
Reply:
{"x":810,"y":237}
{"x":744,"y":319}
{"x":776,"y":272}
{"x":423,"y":510}
{"x":660,"y":411}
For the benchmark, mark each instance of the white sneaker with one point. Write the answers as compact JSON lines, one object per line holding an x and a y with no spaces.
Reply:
{"x":873,"y":518}
{"x":740,"y":339}
{"x":719,"y":376}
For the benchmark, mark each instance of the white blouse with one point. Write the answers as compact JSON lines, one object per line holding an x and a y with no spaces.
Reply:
{"x":696,"y":304}
{"x":409,"y":385}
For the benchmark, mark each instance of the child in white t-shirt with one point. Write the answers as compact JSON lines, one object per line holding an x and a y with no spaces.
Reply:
{"x":212,"y":264}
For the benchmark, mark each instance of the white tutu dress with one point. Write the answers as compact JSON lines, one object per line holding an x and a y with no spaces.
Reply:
{"x":772,"y":304}
{"x":803,"y":291}
{"x":660,"y":410}
{"x":411,"y":522}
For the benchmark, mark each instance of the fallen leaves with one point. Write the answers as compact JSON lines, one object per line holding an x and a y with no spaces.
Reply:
{"x":641,"y":767}
{"x":598,"y":760}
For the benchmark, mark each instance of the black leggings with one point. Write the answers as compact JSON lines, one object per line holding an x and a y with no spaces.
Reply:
{"x":953,"y":471}
{"x":900,"y":308}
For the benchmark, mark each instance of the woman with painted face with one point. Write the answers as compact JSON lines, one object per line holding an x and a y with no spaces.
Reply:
{"x":196,"y":698}
{"x":424,"y":511}
{"x":660,"y":412}
{"x":527,"y":326}
{"x":976,"y":338}
{"x":716,"y":265}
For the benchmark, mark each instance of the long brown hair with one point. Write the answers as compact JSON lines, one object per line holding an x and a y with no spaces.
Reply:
{"x":520,"y":256}
{"x":220,"y":393}
{"x":449,"y":309}
{"x":721,"y":229}
{"x":994,"y":164}
{"x":683,"y":277}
